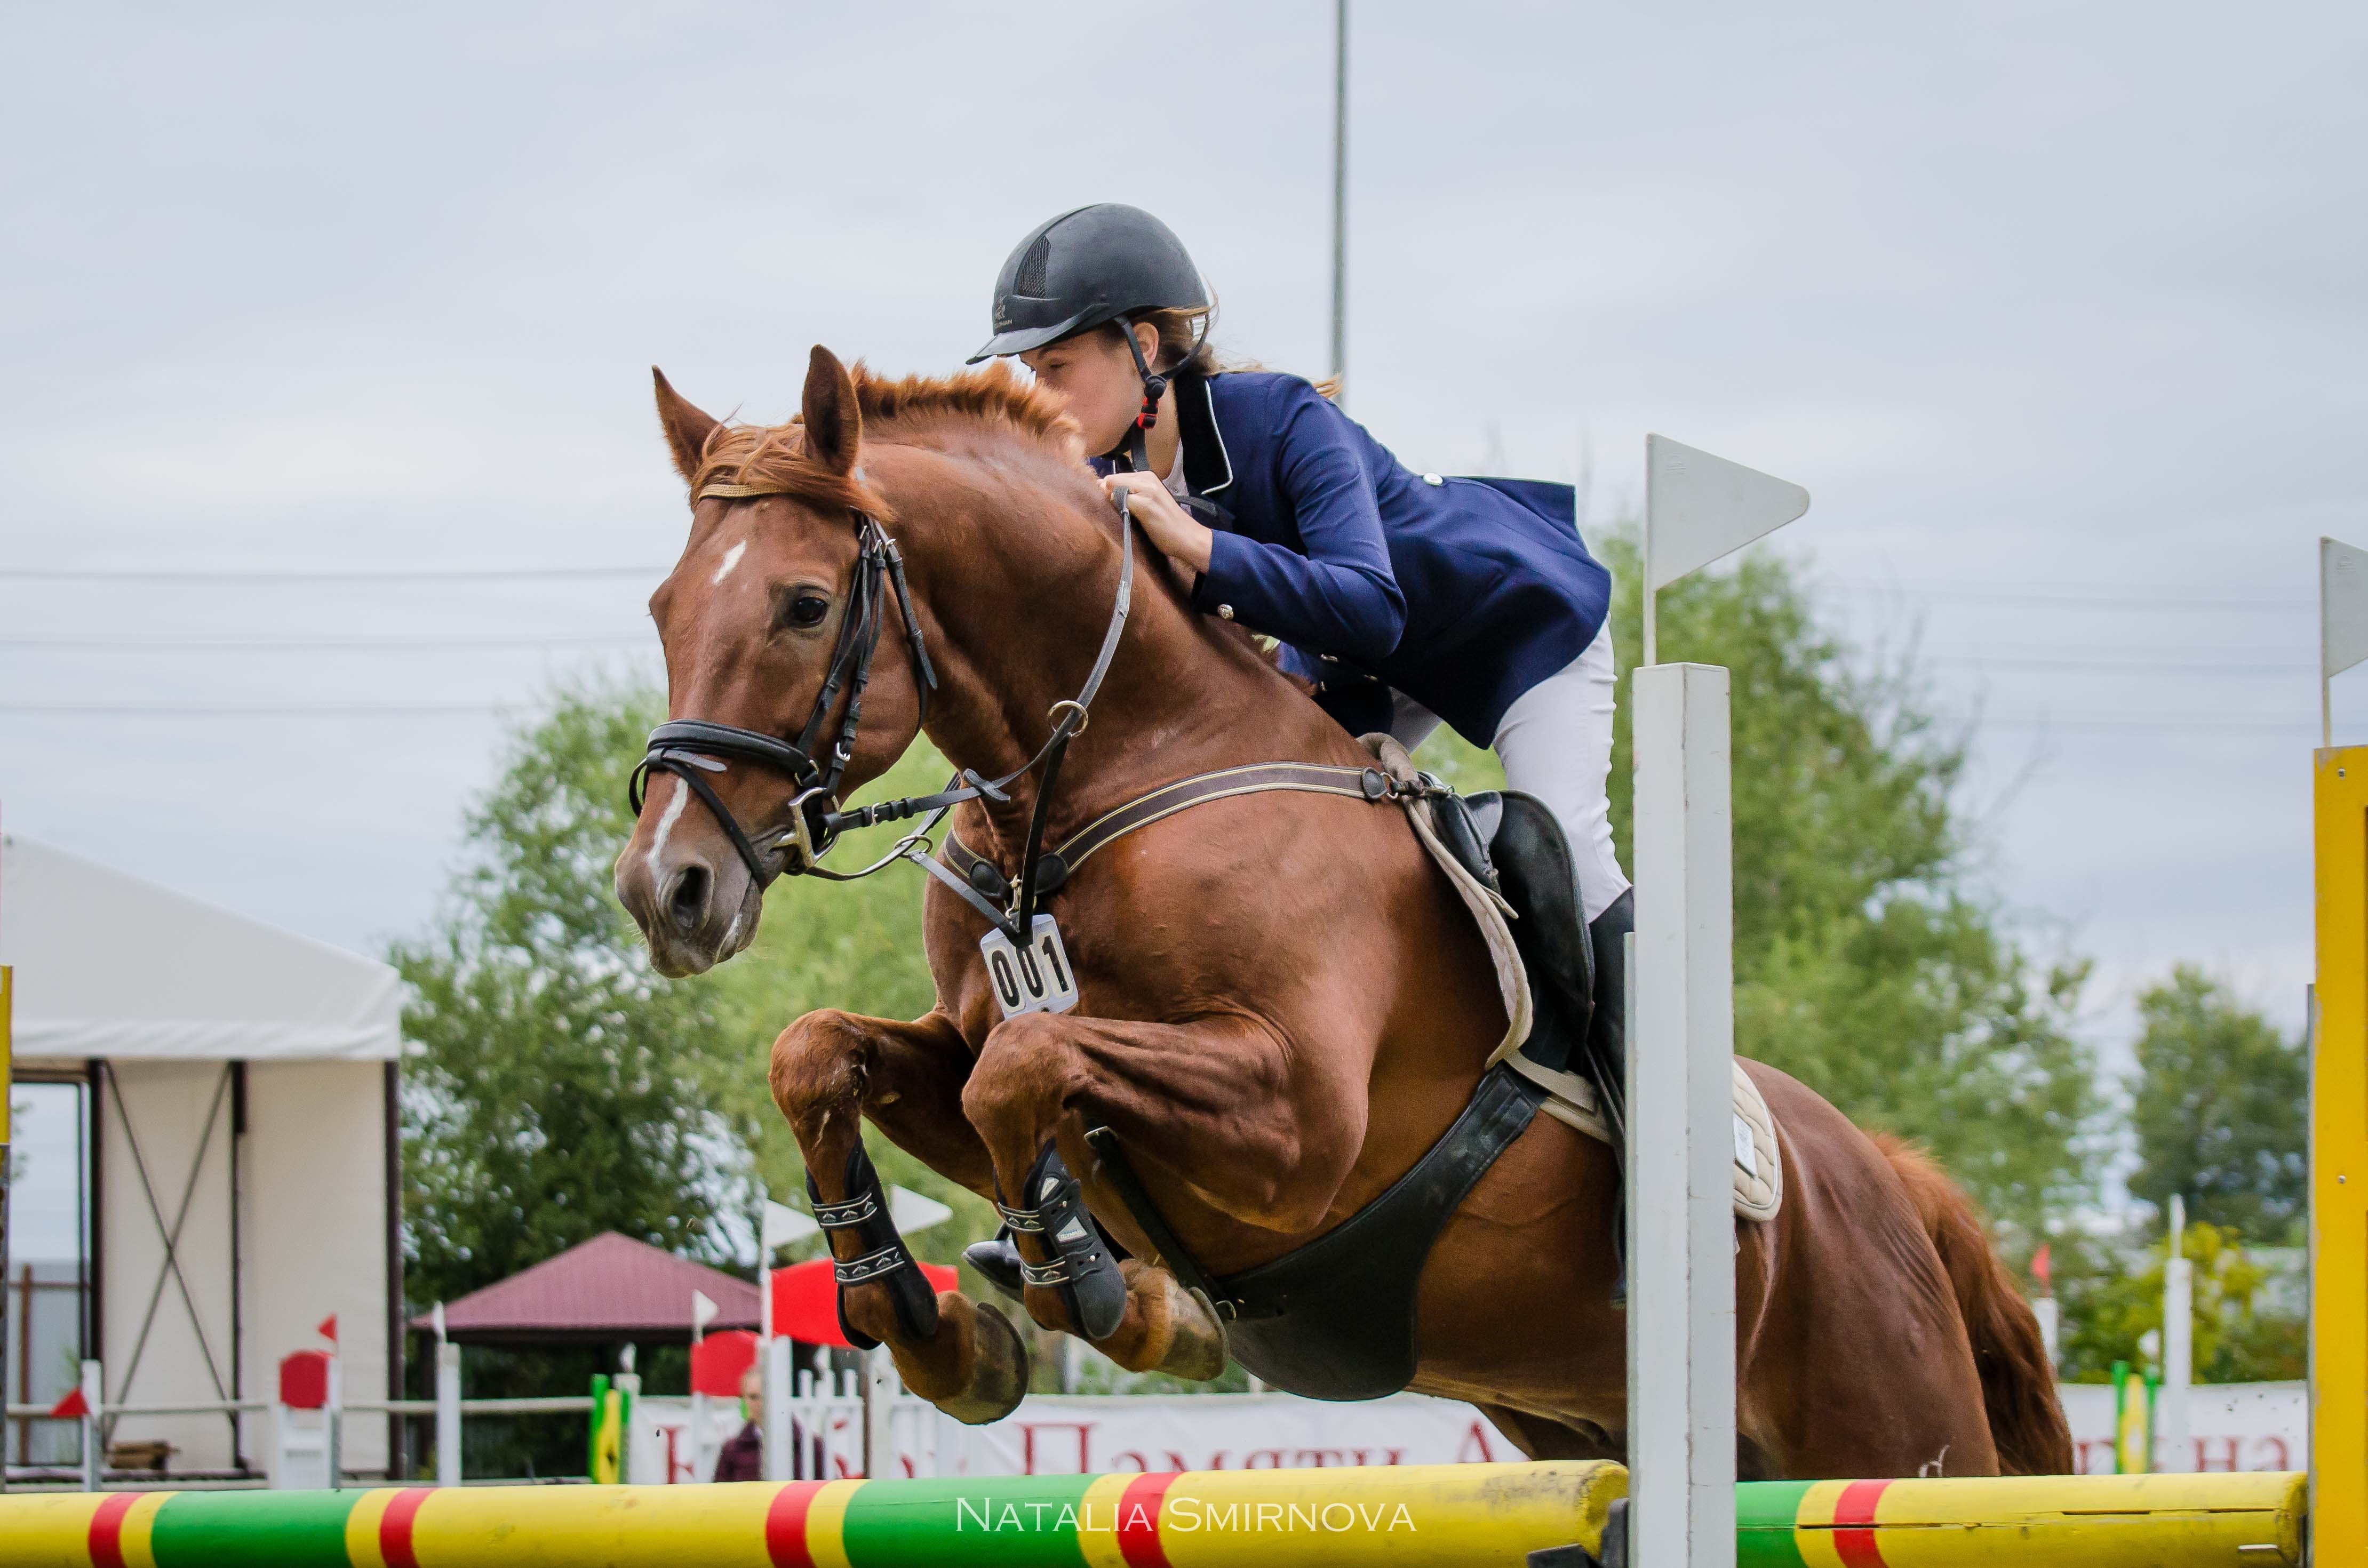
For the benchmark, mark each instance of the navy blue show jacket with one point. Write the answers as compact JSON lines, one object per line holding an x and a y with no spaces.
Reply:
{"x":1461,"y":593}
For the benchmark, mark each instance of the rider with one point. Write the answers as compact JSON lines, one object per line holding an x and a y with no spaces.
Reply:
{"x":1406,"y":599}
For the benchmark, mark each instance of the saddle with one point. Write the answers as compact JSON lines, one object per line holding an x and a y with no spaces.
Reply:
{"x":1507,"y":858}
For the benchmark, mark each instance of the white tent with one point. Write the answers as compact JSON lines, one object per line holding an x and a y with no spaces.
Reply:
{"x":241,"y":1152}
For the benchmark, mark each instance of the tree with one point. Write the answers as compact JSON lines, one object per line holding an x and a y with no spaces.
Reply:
{"x":557,"y":1090}
{"x":1867,"y":961}
{"x":2111,"y":1305}
{"x":2221,"y":1107}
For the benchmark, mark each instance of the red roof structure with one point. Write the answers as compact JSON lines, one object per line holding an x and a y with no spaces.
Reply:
{"x":609,"y":1289}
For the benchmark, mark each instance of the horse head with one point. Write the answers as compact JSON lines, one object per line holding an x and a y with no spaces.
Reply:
{"x":769,"y":622}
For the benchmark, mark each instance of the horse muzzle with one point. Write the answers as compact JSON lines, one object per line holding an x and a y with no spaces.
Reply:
{"x":694,"y":911}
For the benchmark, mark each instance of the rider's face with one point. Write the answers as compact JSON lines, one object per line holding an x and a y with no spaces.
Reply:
{"x":1094,"y":376}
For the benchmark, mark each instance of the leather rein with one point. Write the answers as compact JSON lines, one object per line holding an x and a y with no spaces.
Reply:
{"x":687,"y":748}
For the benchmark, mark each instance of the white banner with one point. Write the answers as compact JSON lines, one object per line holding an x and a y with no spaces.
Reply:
{"x":2237,"y":1426}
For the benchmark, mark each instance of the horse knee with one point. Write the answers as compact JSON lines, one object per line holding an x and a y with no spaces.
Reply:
{"x":816,"y":1068}
{"x":1027,"y":1074}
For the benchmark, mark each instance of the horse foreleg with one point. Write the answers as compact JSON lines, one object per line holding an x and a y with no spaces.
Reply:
{"x":1213,"y":1096}
{"x":830,"y":1070}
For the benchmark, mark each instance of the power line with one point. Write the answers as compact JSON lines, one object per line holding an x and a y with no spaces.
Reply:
{"x":2093,"y":600}
{"x":314,"y":644}
{"x":397,"y":575}
{"x":259,"y":710}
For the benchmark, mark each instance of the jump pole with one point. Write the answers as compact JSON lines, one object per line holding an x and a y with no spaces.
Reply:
{"x":2338,"y":1089}
{"x":1385,"y":1516}
{"x":1681,"y":1067}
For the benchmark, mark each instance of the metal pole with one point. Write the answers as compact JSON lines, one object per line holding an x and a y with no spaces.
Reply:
{"x":1340,"y":193}
{"x":2173,"y":1449}
{"x":448,"y":1414}
{"x":8,"y":1005}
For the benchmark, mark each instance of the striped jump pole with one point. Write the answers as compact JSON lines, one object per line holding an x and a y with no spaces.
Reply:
{"x":1438,"y":1516}
{"x":2045,"y":1521}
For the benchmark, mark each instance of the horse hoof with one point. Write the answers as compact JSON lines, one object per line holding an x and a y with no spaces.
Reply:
{"x":1200,"y":1351}
{"x":998,"y":1374}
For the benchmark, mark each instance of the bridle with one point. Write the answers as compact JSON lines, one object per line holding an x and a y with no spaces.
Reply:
{"x":689,"y":747}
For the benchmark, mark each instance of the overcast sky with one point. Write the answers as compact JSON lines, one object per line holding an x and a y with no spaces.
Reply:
{"x":2057,"y":311}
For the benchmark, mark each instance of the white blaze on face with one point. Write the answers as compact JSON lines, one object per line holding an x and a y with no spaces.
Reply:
{"x":731,"y":559}
{"x":666,"y":830}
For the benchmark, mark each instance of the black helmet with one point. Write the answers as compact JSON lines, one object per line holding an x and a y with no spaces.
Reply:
{"x":1087,"y":267}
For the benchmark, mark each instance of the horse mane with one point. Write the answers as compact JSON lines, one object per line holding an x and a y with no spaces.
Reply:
{"x":909,"y":409}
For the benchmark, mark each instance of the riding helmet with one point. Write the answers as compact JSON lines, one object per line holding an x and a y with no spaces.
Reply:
{"x":1087,"y":267}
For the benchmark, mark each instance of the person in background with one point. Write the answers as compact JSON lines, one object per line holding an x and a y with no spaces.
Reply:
{"x":743,"y":1458}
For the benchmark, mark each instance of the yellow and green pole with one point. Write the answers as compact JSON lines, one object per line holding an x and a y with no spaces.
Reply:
{"x":1438,"y":1515}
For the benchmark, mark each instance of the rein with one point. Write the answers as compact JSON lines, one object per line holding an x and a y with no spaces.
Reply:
{"x":688,"y":747}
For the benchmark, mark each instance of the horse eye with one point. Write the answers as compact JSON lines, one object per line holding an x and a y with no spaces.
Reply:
{"x":808,"y":609}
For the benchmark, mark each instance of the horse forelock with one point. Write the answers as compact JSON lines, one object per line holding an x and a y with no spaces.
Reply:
{"x":907,"y":410}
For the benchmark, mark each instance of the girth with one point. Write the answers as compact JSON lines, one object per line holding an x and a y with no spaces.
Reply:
{"x":1334,"y":1319}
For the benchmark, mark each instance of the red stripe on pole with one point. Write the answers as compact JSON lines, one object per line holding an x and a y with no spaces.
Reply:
{"x":1138,"y":1521}
{"x":1854,"y":1539}
{"x":785,"y":1524}
{"x":395,"y":1526}
{"x":107,"y":1530}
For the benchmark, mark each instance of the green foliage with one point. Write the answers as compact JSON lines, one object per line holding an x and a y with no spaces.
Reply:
{"x":2221,"y":1107}
{"x":557,"y":1091}
{"x":2109,"y":1308}
{"x":1867,"y":962}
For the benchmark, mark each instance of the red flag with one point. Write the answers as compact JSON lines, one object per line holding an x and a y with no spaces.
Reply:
{"x":71,"y":1408}
{"x":2042,"y":1269}
{"x":328,"y":1329}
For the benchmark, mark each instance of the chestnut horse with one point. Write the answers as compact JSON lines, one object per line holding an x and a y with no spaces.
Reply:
{"x":1283,"y":1003}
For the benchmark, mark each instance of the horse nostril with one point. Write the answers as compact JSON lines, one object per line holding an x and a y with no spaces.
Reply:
{"x":687,"y":898}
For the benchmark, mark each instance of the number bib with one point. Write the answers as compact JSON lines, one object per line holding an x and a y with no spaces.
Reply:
{"x":1034,"y":978}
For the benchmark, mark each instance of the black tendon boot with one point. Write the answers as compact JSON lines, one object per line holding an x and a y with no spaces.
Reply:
{"x":882,"y":1257}
{"x":1092,"y":1290}
{"x":1607,"y":1051}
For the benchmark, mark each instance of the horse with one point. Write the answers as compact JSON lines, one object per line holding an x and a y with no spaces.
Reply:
{"x":1281,"y":1005}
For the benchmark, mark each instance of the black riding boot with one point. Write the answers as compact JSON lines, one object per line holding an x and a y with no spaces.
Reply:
{"x":1607,"y":1051}
{"x":1083,"y":1269}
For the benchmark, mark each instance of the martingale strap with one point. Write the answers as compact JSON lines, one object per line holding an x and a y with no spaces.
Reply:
{"x":1058,"y":864}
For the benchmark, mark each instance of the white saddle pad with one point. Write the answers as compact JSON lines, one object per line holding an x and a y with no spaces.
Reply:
{"x":1758,"y":1155}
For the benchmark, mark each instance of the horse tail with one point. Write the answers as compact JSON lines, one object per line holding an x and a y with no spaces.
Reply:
{"x":2018,"y":1385}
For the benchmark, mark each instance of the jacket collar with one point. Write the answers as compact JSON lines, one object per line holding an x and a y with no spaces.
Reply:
{"x":1206,"y":466}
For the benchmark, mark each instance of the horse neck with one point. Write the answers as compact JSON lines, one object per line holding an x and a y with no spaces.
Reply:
{"x":1020,"y":593}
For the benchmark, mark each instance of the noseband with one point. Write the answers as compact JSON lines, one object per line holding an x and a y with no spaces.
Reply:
{"x":689,"y":747}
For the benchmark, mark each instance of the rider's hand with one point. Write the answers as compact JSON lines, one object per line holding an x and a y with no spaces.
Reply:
{"x":1178,"y":536}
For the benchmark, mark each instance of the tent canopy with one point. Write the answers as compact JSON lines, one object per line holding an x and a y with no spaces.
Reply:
{"x":609,"y":1289}
{"x":111,"y":966}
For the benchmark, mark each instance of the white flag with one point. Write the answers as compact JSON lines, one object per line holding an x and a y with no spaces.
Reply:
{"x":2342,"y":607}
{"x":702,"y":1312}
{"x":915,"y":1212}
{"x":784,"y":1225}
{"x":1699,"y":507}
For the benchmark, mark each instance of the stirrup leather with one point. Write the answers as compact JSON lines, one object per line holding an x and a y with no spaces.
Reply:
{"x":1092,"y":1289}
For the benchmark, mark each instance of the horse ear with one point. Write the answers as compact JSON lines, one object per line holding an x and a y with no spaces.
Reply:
{"x":834,"y":424}
{"x":687,"y":428}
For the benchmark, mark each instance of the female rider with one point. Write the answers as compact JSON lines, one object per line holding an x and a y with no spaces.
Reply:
{"x":1406,"y":599}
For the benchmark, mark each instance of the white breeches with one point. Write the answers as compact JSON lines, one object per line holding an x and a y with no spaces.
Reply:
{"x":1555,"y":743}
